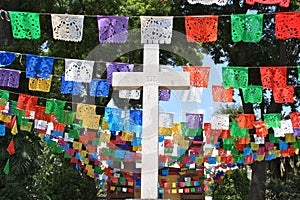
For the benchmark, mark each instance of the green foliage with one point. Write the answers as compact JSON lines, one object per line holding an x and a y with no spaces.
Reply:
{"x":278,"y":188}
{"x":58,"y":179}
{"x":232,"y":110}
{"x":235,"y":186}
{"x":22,"y":164}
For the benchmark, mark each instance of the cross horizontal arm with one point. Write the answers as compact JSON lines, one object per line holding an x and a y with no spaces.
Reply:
{"x":165,"y":80}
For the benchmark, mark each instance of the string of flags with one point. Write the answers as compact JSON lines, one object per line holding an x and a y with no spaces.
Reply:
{"x":98,"y":143}
{"x":282,"y":3}
{"x":282,"y":81}
{"x":155,"y":29}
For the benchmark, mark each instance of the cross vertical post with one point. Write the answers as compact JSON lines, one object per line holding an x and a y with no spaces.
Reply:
{"x":150,"y":80}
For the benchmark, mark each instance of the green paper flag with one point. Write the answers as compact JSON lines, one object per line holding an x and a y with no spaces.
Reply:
{"x":252,"y":94}
{"x":236,"y":131}
{"x":191,"y":132}
{"x":66,"y":117}
{"x":6,"y":167}
{"x":25,"y":25}
{"x":272,"y":120}
{"x":55,"y":107}
{"x":4,"y":96}
{"x":236,"y":77}
{"x":246,"y":27}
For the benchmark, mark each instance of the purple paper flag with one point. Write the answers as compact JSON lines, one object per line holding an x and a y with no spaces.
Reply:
{"x":117,"y":67}
{"x":113,"y":29}
{"x":164,"y":95}
{"x":194,"y":120}
{"x":9,"y":78}
{"x":296,"y":131}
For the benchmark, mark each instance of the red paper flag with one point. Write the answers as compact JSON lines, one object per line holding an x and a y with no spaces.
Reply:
{"x":11,"y":147}
{"x":287,"y":25}
{"x":272,"y":77}
{"x":201,"y":29}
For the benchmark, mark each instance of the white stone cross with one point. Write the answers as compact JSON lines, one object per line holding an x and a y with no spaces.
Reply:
{"x":150,"y":81}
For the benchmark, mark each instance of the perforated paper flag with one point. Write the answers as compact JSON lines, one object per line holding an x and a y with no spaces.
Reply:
{"x":220,"y":121}
{"x":4,"y":96}
{"x":55,"y":107}
{"x":67,"y":27}
{"x":85,"y":110}
{"x":66,"y":117}
{"x":70,"y":87}
{"x":246,"y":120}
{"x":286,"y":25}
{"x":91,"y":122}
{"x":295,"y":118}
{"x":25,"y":25}
{"x":199,"y":75}
{"x":236,"y":77}
{"x":9,"y":78}
{"x":272,"y":77}
{"x":221,"y":94}
{"x":164,"y":95}
{"x":26,"y":102}
{"x":117,"y":67}
{"x":284,"y":94}
{"x":129,"y":94}
{"x":192,"y":95}
{"x":136,"y":116}
{"x":201,"y":29}
{"x":246,"y":27}
{"x":194,"y":120}
{"x":6,"y":58}
{"x":286,"y":126}
{"x":260,"y":128}
{"x":156,"y":30}
{"x":99,"y":88}
{"x":252,"y":94}
{"x":78,"y":70}
{"x":283,"y":3}
{"x":113,"y":29}
{"x":39,"y":66}
{"x":272,"y":120}
{"x":166,"y":119}
{"x":42,"y":85}
{"x":112,"y":114}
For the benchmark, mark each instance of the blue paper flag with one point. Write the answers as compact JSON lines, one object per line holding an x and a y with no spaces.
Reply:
{"x":283,"y":145}
{"x":66,"y":147}
{"x":47,"y":138}
{"x":2,"y":130}
{"x":247,"y":151}
{"x":270,"y":156}
{"x":161,"y":138}
{"x":212,"y":160}
{"x":112,"y":114}
{"x":119,"y":154}
{"x":165,"y":172}
{"x":6,"y":58}
{"x":70,"y":87}
{"x":57,"y":134}
{"x":39,"y":66}
{"x":136,"y":116}
{"x":77,"y":156}
{"x":99,"y":88}
{"x":137,"y":141}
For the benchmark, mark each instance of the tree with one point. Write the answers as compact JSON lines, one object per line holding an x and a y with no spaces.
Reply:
{"x":267,"y":52}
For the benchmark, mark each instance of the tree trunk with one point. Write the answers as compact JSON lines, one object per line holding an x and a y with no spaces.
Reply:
{"x":258,"y":180}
